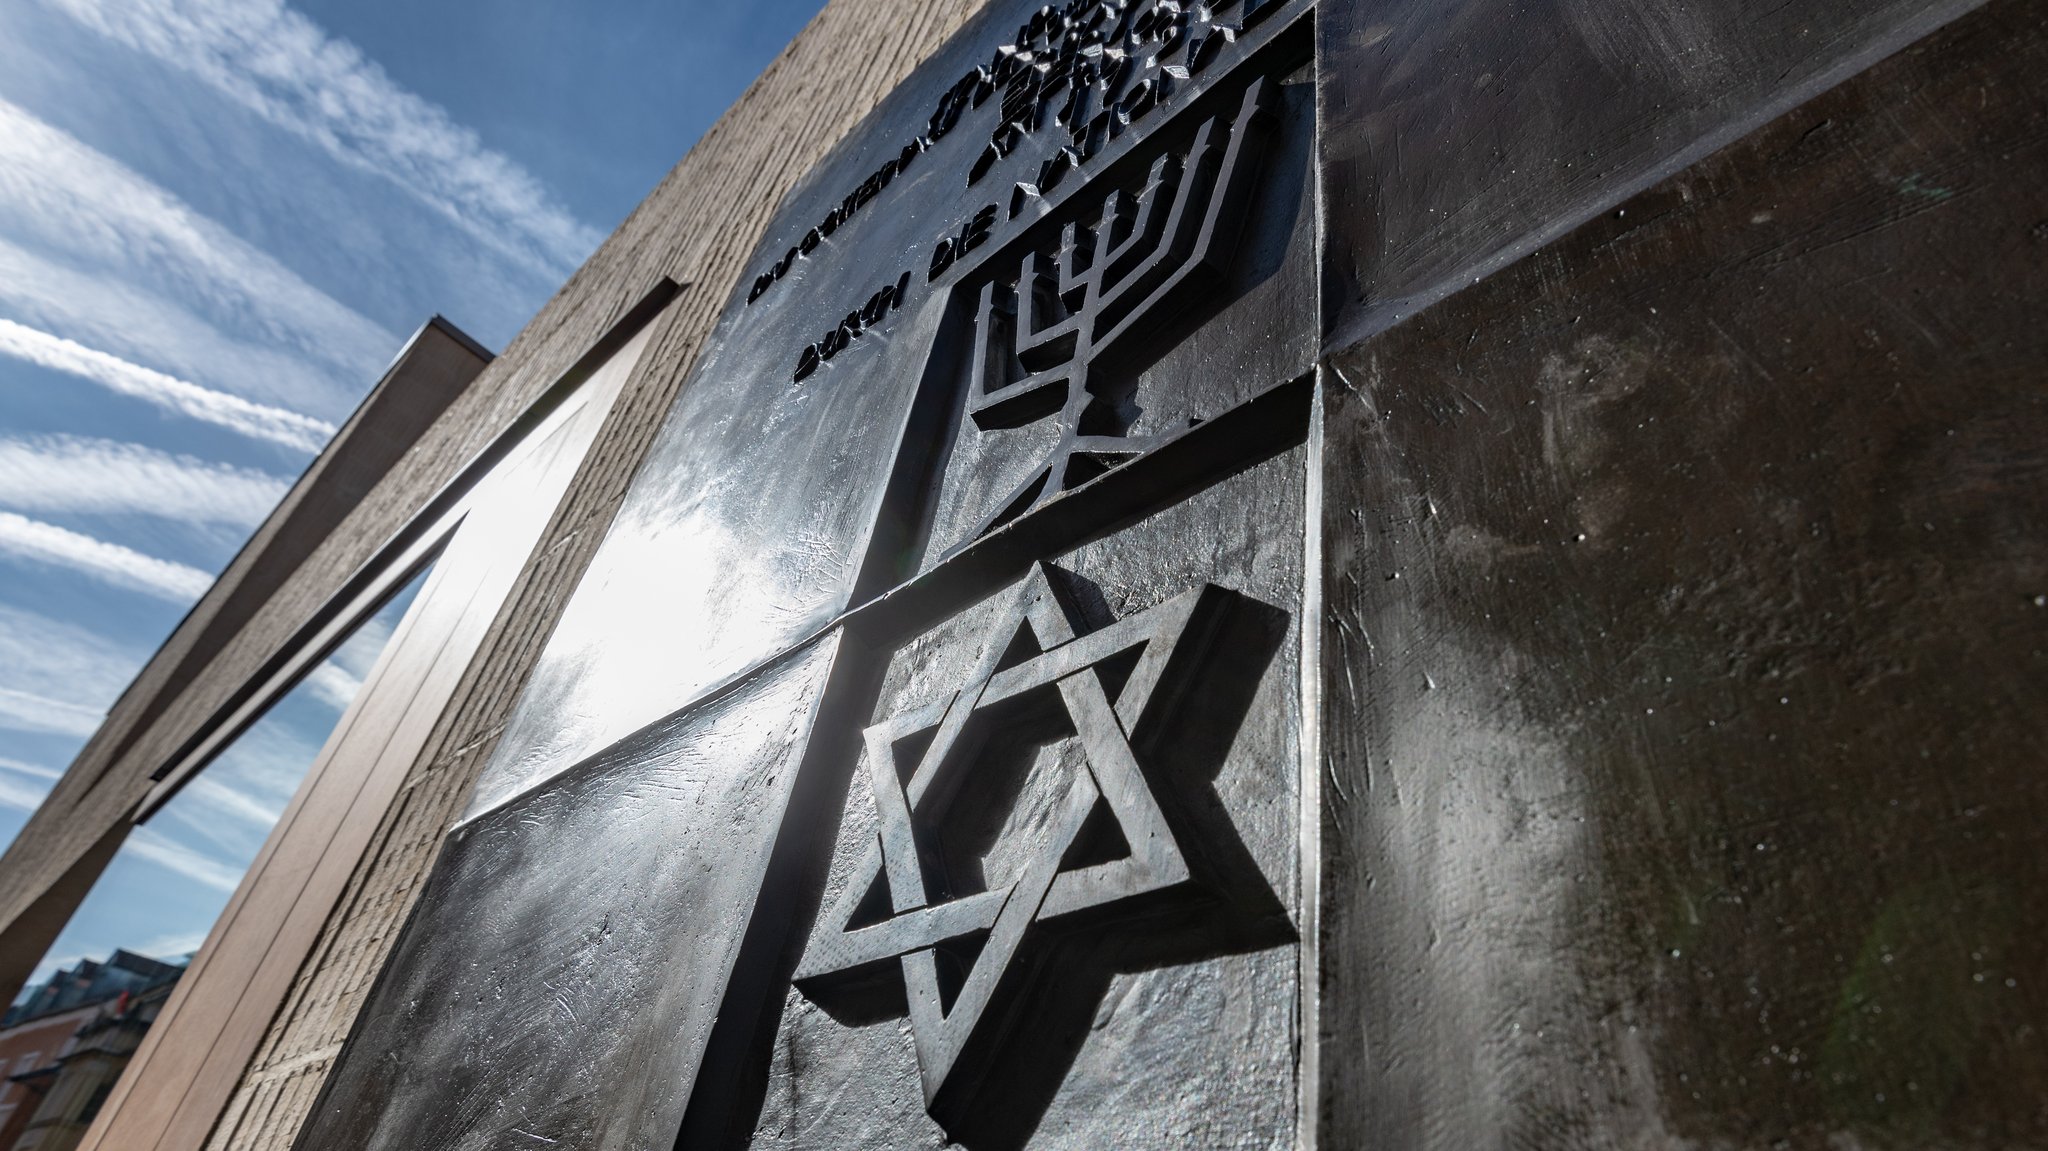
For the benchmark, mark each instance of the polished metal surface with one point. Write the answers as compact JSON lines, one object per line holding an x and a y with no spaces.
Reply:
{"x":1258,"y":575}
{"x":819,"y":441}
{"x":694,"y":731}
{"x":580,"y":939}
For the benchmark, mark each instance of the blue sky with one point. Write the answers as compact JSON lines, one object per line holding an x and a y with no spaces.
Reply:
{"x":219,"y":219}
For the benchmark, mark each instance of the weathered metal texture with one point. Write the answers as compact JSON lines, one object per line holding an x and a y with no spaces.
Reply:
{"x":538,"y":995}
{"x":1459,"y":136}
{"x":1154,"y":381}
{"x":1683,"y":652}
{"x":790,"y":480}
{"x":582,"y":939}
{"x":698,"y":226}
{"x":1586,"y":880}
{"x":785,"y":491}
{"x":1128,"y":1010}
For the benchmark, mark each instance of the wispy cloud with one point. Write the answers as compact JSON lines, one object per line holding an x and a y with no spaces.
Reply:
{"x":75,"y":474}
{"x":174,"y":856}
{"x":287,"y":69}
{"x":27,"y":711}
{"x":228,"y":817}
{"x":340,"y":676}
{"x":233,"y":802}
{"x":21,"y":796}
{"x":57,"y":677}
{"x":358,"y":654}
{"x":110,"y":563}
{"x":115,"y":227}
{"x":259,"y":421}
{"x":333,"y":685}
{"x":104,"y":308}
{"x":54,"y":963}
{"x":175,"y":945}
{"x":33,"y":771}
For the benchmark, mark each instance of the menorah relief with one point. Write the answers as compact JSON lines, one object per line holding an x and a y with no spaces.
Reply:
{"x":1056,"y":335}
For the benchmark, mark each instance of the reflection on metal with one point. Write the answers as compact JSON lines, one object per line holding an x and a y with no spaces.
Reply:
{"x":1047,"y":336}
{"x":1106,"y":687}
{"x":1547,"y":652}
{"x":1109,"y":315}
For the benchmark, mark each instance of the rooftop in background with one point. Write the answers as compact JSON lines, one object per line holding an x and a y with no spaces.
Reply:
{"x":93,"y":982}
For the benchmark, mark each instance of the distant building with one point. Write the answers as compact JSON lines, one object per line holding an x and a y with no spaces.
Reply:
{"x":64,"y":1044}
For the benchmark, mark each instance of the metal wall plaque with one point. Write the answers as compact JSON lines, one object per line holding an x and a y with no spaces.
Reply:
{"x":1152,"y":625}
{"x":936,"y":694}
{"x":1136,"y":184}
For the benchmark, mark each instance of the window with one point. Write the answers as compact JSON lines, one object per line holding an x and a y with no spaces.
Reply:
{"x":349,"y":703}
{"x":171,"y":879}
{"x":95,"y":1101}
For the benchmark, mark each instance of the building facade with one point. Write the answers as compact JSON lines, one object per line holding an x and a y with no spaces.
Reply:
{"x":64,"y":1044}
{"x":1277,"y":573}
{"x":73,"y":1091}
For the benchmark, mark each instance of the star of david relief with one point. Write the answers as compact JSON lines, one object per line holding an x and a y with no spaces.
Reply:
{"x":1098,"y":846}
{"x":1048,"y":338}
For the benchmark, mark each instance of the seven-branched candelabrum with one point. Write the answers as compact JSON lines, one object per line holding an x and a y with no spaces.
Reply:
{"x":1047,"y":341}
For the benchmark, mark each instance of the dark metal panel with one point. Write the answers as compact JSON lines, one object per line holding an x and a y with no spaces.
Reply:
{"x":1684,"y":650}
{"x":562,"y":972}
{"x":790,"y":480}
{"x":1145,"y":996}
{"x":1150,"y":373}
{"x":1460,"y":134}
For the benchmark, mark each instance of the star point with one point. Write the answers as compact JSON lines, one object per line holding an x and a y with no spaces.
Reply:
{"x":1112,"y":685}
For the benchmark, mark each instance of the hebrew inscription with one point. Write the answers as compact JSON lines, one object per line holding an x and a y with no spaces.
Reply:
{"x":955,"y":613}
{"x":1073,"y":78}
{"x":1046,"y":337}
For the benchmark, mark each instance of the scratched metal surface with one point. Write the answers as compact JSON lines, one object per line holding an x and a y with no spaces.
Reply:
{"x":608,"y":944}
{"x":1253,"y":330}
{"x":752,"y":521}
{"x":561,"y":973}
{"x":1460,"y":135}
{"x":1172,"y":1029}
{"x":1693,"y":574}
{"x":1680,"y":649}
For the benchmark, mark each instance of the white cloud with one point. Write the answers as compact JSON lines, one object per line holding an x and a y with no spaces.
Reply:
{"x":57,"y":677}
{"x":358,"y":653}
{"x":74,"y":474}
{"x":52,"y":964}
{"x":260,"y":421}
{"x":175,"y":945}
{"x":27,"y":711}
{"x":287,"y":69}
{"x":340,"y":676}
{"x":103,"y":308}
{"x":33,"y":771}
{"x":234,"y":802}
{"x":332,"y":685}
{"x":111,"y":563}
{"x":265,"y":764}
{"x":113,"y":226}
{"x":24,"y":796}
{"x":228,"y":817}
{"x":174,"y":856}
{"x":21,"y":796}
